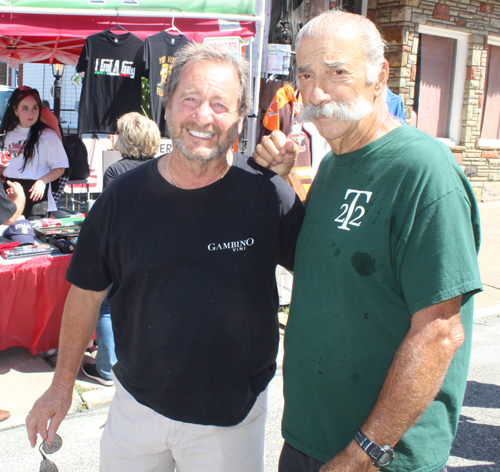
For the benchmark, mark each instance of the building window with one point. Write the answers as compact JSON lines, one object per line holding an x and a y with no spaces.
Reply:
{"x":490,"y":129}
{"x":354,"y":6}
{"x":440,"y":82}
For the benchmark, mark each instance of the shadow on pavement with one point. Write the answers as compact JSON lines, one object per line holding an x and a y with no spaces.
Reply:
{"x":477,"y":442}
{"x":482,"y":395}
{"x":474,"y":468}
{"x":20,"y":360}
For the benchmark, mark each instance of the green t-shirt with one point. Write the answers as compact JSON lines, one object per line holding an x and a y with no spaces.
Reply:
{"x":390,"y":229}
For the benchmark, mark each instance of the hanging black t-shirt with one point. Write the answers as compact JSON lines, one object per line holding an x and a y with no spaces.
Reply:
{"x":113,"y":66}
{"x":159,"y":51}
{"x":194,"y":300}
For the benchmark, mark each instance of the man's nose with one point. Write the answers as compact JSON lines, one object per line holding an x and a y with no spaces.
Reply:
{"x":318,"y":93}
{"x":204,"y":114}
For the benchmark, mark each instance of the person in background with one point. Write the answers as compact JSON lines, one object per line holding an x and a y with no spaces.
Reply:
{"x":395,"y":105}
{"x":11,"y":207}
{"x":190,"y":242}
{"x":282,"y":115}
{"x":138,"y":141}
{"x":378,"y":340}
{"x":38,"y":156}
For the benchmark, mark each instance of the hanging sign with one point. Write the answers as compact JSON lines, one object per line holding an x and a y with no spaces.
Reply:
{"x":230,"y":44}
{"x":278,"y":58}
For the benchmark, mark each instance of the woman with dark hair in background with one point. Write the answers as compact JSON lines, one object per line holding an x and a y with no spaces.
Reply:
{"x":38,"y":156}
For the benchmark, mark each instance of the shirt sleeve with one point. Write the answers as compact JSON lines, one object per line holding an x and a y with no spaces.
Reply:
{"x":292,"y":216}
{"x":438,"y":260}
{"x":146,"y":58}
{"x":109,"y":175}
{"x":83,"y":59}
{"x":52,"y":147}
{"x":89,"y":268}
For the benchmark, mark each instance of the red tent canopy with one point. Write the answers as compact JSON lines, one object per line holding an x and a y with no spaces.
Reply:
{"x":27,"y":37}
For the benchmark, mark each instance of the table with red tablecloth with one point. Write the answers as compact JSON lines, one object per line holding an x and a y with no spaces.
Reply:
{"x":32,"y":296}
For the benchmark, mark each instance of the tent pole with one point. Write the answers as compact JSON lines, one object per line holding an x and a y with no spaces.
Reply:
{"x":253,"y":119}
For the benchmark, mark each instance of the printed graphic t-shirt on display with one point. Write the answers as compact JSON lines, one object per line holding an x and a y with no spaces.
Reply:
{"x":113,"y":66}
{"x":159,"y":51}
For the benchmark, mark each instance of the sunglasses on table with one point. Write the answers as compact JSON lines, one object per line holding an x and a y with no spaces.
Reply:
{"x":47,"y":465}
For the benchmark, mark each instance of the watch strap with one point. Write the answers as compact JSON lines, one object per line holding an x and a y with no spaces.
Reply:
{"x":373,"y":450}
{"x":366,"y":444}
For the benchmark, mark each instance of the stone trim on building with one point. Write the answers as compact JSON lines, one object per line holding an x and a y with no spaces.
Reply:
{"x":398,"y":21}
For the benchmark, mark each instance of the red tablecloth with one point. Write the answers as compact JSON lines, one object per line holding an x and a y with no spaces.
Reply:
{"x":32,"y":296}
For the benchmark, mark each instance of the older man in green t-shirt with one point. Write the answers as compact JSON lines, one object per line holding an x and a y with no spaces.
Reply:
{"x":378,"y":339}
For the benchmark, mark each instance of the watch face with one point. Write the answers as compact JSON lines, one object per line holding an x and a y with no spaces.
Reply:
{"x":385,"y":457}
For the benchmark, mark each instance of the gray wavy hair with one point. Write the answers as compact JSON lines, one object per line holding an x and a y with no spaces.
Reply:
{"x":196,"y":53}
{"x":344,"y":24}
{"x":138,"y":136}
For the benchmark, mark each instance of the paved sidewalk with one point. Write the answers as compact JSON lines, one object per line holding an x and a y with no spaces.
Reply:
{"x":23,"y":377}
{"x":487,"y":303}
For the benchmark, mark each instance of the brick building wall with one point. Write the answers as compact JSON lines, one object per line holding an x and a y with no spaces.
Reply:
{"x":398,"y":21}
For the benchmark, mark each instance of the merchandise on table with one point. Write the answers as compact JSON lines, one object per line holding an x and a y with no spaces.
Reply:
{"x":58,"y":234}
{"x":50,"y":222}
{"x":28,"y":251}
{"x":21,"y":231}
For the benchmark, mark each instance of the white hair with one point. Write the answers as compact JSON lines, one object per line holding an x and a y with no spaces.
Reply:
{"x":345,"y":24}
{"x":348,"y":110}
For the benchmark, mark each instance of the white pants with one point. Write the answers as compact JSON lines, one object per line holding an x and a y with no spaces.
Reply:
{"x":137,"y":439}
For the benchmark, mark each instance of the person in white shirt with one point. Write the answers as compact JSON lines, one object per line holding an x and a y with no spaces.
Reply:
{"x":38,"y":156}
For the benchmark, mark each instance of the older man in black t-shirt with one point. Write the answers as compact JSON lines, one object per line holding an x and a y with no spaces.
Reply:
{"x":190,"y":242}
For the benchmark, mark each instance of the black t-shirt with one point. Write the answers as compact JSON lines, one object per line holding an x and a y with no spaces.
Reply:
{"x":120,"y":167}
{"x":113,"y":66}
{"x":7,"y":208}
{"x":194,"y":299}
{"x":159,"y":51}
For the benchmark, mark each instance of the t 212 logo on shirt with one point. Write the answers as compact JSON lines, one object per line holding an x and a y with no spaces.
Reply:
{"x":352,"y":214}
{"x":114,"y":67}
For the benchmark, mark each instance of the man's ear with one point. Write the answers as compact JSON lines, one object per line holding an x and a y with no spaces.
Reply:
{"x":241,"y":120}
{"x":166,"y":103}
{"x":382,"y":79}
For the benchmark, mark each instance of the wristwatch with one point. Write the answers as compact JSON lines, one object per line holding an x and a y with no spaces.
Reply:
{"x":381,"y":456}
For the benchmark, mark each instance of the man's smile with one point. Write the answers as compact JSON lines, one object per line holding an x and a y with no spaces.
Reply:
{"x":198,"y":134}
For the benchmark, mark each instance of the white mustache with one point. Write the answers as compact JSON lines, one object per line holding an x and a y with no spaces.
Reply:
{"x":354,"y":110}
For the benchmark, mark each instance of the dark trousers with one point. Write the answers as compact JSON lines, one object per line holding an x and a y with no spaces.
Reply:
{"x":292,"y":460}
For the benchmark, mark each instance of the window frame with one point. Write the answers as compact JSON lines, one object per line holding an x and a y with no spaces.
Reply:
{"x":458,"y":78}
{"x":491,"y":41}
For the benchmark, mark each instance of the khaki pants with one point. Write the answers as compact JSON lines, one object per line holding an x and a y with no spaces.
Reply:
{"x":137,"y":439}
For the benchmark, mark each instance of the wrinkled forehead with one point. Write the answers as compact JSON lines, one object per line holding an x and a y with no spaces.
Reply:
{"x":331,"y":50}
{"x":215,"y":78}
{"x":207,"y":66}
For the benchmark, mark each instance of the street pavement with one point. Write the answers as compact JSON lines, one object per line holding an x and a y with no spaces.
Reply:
{"x":23,"y":378}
